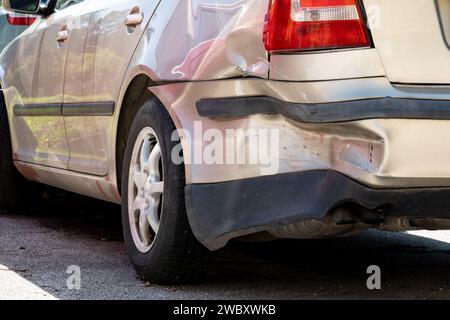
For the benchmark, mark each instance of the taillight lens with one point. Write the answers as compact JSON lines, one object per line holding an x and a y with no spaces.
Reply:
{"x":314,"y":24}
{"x":20,"y":19}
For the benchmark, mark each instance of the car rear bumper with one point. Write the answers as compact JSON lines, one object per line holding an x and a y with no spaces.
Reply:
{"x":401,"y":145}
{"x":222,"y":211}
{"x":381,"y":142}
{"x":380,"y":135}
{"x":363,"y":141}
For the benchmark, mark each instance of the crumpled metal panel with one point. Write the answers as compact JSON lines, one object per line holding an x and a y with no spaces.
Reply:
{"x":202,"y":40}
{"x":381,"y":153}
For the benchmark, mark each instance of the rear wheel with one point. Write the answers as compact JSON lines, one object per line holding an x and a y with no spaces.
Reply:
{"x":155,"y":225}
{"x":15,"y":190}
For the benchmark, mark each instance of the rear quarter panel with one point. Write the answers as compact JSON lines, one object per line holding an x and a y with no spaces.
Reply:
{"x":198,"y":40}
{"x":203,"y":40}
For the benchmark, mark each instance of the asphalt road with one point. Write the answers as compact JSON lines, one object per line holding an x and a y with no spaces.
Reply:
{"x":36,"y":250}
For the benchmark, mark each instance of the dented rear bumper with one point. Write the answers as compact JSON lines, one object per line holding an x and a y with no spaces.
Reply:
{"x":380,"y":135}
{"x":391,"y":145}
{"x":381,"y":142}
{"x":363,"y":141}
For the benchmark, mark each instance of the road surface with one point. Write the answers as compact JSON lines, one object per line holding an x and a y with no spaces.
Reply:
{"x":37,"y":249}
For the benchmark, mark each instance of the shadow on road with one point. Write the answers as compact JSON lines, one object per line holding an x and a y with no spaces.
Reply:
{"x":79,"y":231}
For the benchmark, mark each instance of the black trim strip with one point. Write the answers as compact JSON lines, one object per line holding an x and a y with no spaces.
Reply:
{"x":88,"y":109}
{"x":221,"y":211}
{"x":67,"y":110}
{"x":38,"y":110}
{"x":384,"y":108}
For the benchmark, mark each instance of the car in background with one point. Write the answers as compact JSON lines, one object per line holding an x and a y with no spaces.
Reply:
{"x":12,"y":25}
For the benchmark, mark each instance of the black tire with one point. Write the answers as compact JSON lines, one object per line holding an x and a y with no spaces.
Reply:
{"x":175,"y":255}
{"x":14,"y":188}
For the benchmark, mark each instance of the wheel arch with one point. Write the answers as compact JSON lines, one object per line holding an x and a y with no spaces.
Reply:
{"x":135,"y":95}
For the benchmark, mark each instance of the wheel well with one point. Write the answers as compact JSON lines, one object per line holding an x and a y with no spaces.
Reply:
{"x":135,"y":96}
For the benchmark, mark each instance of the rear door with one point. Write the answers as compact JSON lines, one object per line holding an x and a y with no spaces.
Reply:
{"x":37,"y":76}
{"x":87,"y":148}
{"x":107,"y":34}
{"x":412,"y":38}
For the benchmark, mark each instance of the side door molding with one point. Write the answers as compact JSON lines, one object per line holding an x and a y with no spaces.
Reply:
{"x":38,"y":110}
{"x":67,"y":109}
{"x":88,"y":109}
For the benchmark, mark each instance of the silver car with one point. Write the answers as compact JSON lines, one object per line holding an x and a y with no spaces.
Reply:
{"x":230,"y":119}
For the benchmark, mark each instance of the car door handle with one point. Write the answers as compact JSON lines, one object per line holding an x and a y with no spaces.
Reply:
{"x":62,"y":36}
{"x":135,"y":18}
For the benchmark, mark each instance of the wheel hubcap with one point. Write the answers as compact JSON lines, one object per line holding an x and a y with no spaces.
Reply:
{"x":145,"y":190}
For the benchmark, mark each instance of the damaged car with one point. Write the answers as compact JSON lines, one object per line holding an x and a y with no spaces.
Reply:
{"x":209,"y":121}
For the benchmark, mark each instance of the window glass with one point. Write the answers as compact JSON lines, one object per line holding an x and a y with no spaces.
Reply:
{"x":24,"y":5}
{"x":63,"y":4}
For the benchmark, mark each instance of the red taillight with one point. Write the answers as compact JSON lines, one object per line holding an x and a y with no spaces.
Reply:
{"x":20,"y":20}
{"x":314,"y":24}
